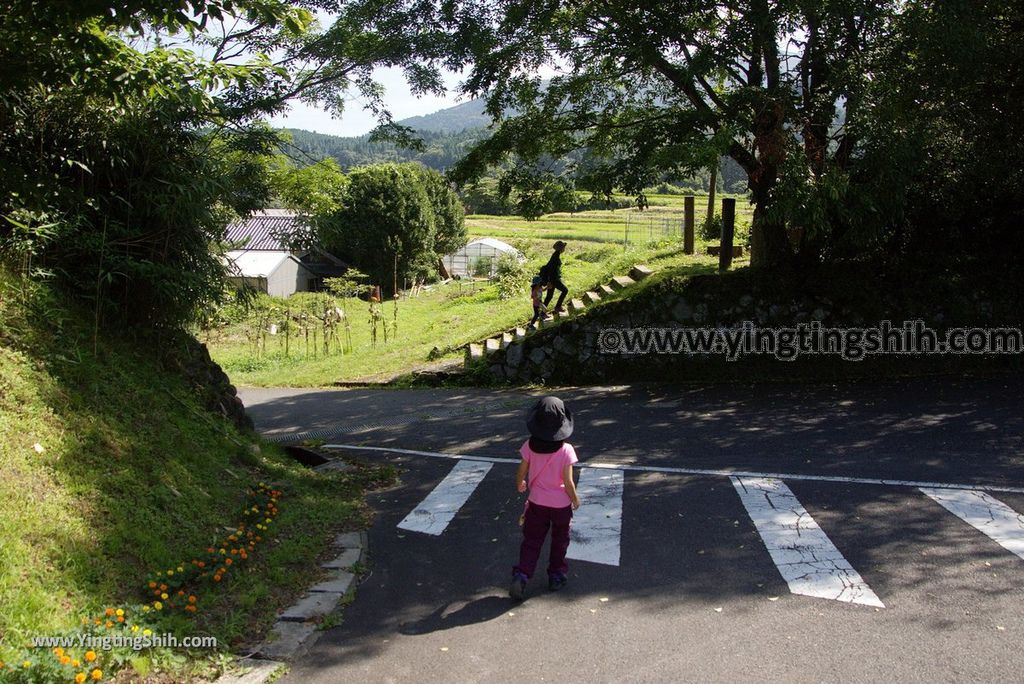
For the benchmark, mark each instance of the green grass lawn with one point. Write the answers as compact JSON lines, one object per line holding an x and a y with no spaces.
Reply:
{"x":113,"y":472}
{"x":617,"y":226}
{"x":450,"y":315}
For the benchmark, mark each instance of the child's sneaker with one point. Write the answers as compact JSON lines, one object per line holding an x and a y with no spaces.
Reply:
{"x":517,"y":590}
{"x":556,"y":582}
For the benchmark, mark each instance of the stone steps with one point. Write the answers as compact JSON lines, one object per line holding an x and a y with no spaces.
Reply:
{"x":619,"y":283}
{"x":475,"y":352}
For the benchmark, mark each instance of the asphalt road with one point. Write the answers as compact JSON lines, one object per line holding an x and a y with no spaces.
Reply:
{"x":696,"y":596}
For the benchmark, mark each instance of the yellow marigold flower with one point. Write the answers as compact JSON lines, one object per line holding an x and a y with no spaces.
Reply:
{"x":76,"y":663}
{"x":181,"y":568}
{"x":158,"y":605}
{"x":145,"y":609}
{"x":58,"y":651}
{"x":170,"y":573}
{"x":120,"y":612}
{"x":90,"y":656}
{"x":147,"y":632}
{"x":27,"y":664}
{"x":135,"y":628}
{"x":64,"y":660}
{"x":164,"y":596}
{"x":79,"y":678}
{"x":97,"y":675}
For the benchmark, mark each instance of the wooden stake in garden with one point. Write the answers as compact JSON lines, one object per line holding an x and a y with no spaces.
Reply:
{"x":728,"y":223}
{"x":688,"y":220}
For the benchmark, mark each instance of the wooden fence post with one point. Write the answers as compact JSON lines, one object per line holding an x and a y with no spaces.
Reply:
{"x":728,"y":223}
{"x":688,"y":225}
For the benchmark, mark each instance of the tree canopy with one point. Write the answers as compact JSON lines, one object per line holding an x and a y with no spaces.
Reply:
{"x":124,"y":150}
{"x":804,"y":96}
{"x":395,"y":223}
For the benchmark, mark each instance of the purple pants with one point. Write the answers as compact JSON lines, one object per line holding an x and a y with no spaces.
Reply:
{"x":535,"y":528}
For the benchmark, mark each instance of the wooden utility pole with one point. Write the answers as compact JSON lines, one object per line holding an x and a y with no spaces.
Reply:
{"x":728,"y":222}
{"x":688,"y":212}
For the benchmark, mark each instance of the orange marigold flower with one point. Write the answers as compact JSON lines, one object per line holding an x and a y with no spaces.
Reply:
{"x":97,"y":675}
{"x":120,"y":618}
{"x":64,"y":660}
{"x":109,"y":624}
{"x":79,"y":678}
{"x":76,"y":663}
{"x":109,"y":612}
{"x":202,"y":564}
{"x":163,"y":587}
{"x":228,"y":561}
{"x":58,"y":651}
{"x":152,"y":585}
{"x":90,"y":656}
{"x":216,"y":578}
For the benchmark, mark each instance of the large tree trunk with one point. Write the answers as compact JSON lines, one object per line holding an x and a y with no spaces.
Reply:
{"x":769,"y":244}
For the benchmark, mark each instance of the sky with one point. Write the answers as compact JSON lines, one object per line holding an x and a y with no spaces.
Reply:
{"x":356,"y":121}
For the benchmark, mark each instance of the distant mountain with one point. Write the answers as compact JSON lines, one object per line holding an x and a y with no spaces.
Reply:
{"x":441,"y":151}
{"x":461,"y":117}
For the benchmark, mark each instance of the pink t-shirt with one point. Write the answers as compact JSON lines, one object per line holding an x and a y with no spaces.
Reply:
{"x":545,"y":475}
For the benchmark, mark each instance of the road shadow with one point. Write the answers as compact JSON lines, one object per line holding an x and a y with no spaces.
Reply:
{"x":469,"y":613}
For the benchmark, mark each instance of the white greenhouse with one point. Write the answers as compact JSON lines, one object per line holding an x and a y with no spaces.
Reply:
{"x":478,"y":258}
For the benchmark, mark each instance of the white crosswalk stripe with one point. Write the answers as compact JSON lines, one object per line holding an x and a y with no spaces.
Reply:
{"x":434,"y":513}
{"x":805,"y":556}
{"x":984,"y":512}
{"x":597,"y":525}
{"x":802,"y":552}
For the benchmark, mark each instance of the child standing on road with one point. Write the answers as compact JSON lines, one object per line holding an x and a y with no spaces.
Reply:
{"x":546,"y":470}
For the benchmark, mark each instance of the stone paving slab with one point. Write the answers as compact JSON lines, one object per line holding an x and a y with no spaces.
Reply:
{"x":348,"y":540}
{"x":252,"y":672}
{"x":313,"y":606}
{"x":337,"y":582}
{"x":287,"y":639}
{"x":347,"y":559}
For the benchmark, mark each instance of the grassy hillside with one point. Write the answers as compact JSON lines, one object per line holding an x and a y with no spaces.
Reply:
{"x":111,"y":473}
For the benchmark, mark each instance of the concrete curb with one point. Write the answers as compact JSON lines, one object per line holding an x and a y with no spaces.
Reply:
{"x":295,"y":630}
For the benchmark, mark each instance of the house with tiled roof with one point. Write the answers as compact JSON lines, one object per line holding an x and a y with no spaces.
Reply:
{"x":265,"y":253}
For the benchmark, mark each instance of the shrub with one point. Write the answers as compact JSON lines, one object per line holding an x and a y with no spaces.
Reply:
{"x":512,"y":275}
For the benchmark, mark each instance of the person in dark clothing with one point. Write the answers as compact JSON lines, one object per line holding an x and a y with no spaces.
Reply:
{"x":553,"y":270}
